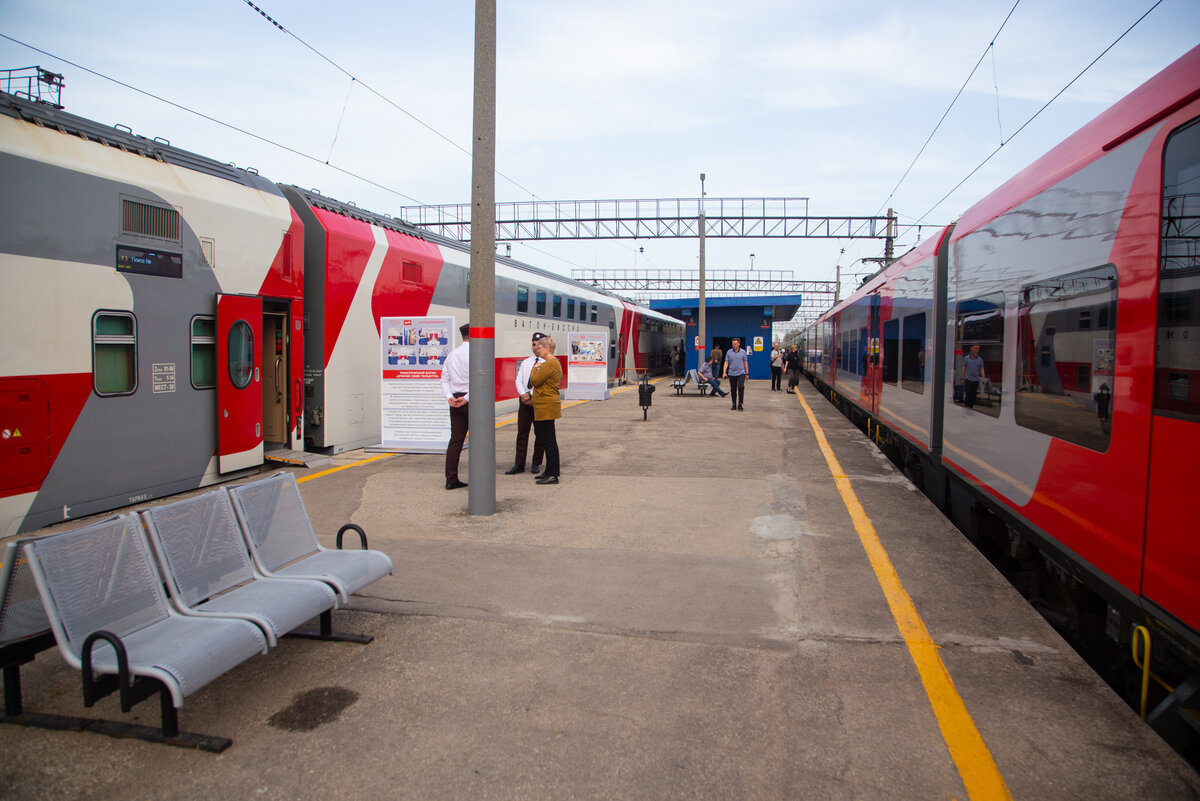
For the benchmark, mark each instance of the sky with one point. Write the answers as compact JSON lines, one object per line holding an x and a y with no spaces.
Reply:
{"x":624,"y":99}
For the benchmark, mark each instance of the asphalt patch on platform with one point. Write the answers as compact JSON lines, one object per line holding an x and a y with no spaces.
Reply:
{"x":313,"y":708}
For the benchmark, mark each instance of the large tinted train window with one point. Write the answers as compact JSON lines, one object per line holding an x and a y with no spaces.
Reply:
{"x":891,"y":351}
{"x":541,"y":303}
{"x":912,"y":357}
{"x":1066,"y":336}
{"x":114,"y":353}
{"x":523,"y":299}
{"x":1177,"y":351}
{"x":981,"y":322}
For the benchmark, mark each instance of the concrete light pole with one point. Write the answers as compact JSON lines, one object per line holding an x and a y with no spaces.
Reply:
{"x":700,"y":349}
{"x":482,"y":293}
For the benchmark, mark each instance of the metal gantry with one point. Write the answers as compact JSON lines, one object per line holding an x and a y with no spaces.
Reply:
{"x":663,"y":218}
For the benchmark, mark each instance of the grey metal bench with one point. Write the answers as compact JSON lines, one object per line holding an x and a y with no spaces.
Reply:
{"x":24,"y":627}
{"x":691,"y":377}
{"x":207,"y":567}
{"x":105,"y":603}
{"x":282,"y":542}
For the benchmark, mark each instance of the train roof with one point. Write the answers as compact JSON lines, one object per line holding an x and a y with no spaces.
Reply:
{"x":353,"y":211}
{"x":44,"y":115}
{"x":1148,"y":104}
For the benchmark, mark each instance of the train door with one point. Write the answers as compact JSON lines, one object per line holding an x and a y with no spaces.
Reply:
{"x":872,"y":355}
{"x":275,"y":379}
{"x":239,"y":378}
{"x":1170,"y":578}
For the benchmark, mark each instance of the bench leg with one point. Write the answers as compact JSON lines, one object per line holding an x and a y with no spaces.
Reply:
{"x":327,"y":632}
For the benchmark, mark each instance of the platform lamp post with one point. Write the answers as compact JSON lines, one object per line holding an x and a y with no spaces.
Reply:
{"x":481,"y":418}
{"x":703,"y":341}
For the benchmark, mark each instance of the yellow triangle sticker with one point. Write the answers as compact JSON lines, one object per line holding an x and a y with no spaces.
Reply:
{"x":16,"y":432}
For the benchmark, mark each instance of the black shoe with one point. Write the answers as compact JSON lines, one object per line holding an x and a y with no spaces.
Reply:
{"x":512,"y":471}
{"x":547,"y":480}
{"x":740,"y":407}
{"x":455,"y":484}
{"x":535,"y":469}
{"x":733,"y":408}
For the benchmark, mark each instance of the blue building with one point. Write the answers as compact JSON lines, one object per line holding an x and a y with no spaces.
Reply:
{"x":749,"y":319}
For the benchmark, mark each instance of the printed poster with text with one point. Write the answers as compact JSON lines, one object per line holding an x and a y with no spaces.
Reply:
{"x":413,"y":410}
{"x":587,"y":366}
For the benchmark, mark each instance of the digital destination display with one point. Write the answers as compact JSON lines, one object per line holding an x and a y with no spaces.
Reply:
{"x":149,"y":262}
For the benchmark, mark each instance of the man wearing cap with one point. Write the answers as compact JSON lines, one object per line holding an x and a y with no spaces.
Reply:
{"x":456,"y":383}
{"x":525,"y":414}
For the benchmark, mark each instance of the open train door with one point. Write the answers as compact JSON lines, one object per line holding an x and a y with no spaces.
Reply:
{"x":239,"y":382}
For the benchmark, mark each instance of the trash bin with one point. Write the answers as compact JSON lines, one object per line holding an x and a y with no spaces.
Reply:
{"x":645,"y":390}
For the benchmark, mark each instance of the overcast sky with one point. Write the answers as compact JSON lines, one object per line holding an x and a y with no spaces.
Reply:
{"x":615,"y":99}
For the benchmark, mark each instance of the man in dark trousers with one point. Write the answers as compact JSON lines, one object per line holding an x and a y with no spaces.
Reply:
{"x":525,"y":414}
{"x":456,"y":383}
{"x":737,"y":368}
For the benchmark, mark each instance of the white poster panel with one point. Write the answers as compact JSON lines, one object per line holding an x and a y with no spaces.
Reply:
{"x":587,"y":365}
{"x":414,"y":413}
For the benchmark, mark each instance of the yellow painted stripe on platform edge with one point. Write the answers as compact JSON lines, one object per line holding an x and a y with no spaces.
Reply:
{"x":971,"y":756}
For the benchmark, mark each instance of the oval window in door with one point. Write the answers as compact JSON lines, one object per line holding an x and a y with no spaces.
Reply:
{"x":241,"y":354}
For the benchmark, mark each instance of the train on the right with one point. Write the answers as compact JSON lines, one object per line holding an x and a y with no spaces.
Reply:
{"x":1077,"y":466}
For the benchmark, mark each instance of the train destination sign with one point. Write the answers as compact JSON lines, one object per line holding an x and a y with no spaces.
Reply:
{"x":149,"y":262}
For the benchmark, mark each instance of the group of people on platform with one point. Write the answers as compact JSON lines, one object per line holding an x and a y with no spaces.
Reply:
{"x":537,"y":383}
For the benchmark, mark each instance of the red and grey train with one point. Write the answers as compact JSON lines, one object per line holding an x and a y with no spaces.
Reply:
{"x":1080,"y":281}
{"x":166,"y":317}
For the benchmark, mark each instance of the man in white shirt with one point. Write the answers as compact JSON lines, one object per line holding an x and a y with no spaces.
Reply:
{"x":456,"y":383}
{"x":525,"y":415}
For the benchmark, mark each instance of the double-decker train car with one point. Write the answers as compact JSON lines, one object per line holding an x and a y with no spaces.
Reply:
{"x":166,"y":319}
{"x":1080,"y":281}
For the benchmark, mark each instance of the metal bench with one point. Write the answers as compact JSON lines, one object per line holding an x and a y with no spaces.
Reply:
{"x":105,"y":604}
{"x":282,"y":542}
{"x":208,"y":572}
{"x":24,"y":627}
{"x":692,"y":377}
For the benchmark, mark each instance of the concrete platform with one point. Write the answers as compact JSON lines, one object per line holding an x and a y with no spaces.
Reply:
{"x":690,"y":614}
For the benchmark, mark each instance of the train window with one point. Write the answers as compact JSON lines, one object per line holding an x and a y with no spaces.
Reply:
{"x":980,"y":321}
{"x":612,"y":321}
{"x":1176,"y":365}
{"x":114,"y":353}
{"x":570,"y":308}
{"x":241,"y":354}
{"x":523,"y":299}
{"x":204,"y":352}
{"x":891,"y":351}
{"x":558,"y":305}
{"x":912,"y":353}
{"x":541,"y":304}
{"x":1065,"y":370}
{"x":593,"y":312}
{"x":410,"y":271}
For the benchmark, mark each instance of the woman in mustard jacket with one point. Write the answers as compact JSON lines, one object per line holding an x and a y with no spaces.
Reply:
{"x":547,"y":407}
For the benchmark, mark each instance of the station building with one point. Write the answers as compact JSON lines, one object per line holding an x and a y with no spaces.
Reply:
{"x":751,"y":319}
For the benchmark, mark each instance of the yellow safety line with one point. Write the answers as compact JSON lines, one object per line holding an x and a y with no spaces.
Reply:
{"x":971,"y":756}
{"x":498,"y":425}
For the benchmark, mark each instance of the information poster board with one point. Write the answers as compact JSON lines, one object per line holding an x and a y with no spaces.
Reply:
{"x":414,"y":413}
{"x":587,"y":366}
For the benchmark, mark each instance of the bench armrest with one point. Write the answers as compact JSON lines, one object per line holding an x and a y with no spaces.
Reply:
{"x":362,"y":535}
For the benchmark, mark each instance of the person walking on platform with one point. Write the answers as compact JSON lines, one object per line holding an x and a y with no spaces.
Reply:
{"x":791,"y":363}
{"x":547,"y":406}
{"x":717,"y":355}
{"x":706,"y":375}
{"x":776,"y":368}
{"x":677,"y":362}
{"x":456,"y":383}
{"x":525,"y":414}
{"x":737,"y":364}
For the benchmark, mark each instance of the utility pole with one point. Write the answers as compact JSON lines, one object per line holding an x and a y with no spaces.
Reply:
{"x":890,"y":242}
{"x":481,"y":417}
{"x":700,"y":348}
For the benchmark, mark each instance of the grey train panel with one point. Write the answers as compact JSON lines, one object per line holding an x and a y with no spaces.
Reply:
{"x":116,"y":443}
